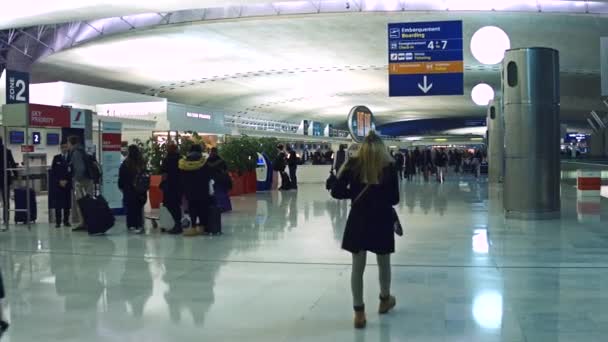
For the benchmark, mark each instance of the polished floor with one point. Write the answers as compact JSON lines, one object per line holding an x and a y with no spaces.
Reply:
{"x":461,"y":273}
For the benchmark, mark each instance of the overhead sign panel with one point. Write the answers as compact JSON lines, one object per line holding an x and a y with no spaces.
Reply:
{"x":426,"y":58}
{"x":17,"y":87}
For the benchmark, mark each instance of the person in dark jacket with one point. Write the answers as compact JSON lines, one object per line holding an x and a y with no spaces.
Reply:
{"x":418,"y":162}
{"x":3,"y":324}
{"x":292,"y":163}
{"x":340,"y":158}
{"x":4,"y":193}
{"x":410,"y":165}
{"x":399,"y":163}
{"x":221,"y":179}
{"x":370,"y":180}
{"x":135,"y":199}
{"x":280,"y":163}
{"x":172,"y":187}
{"x":61,"y":178}
{"x":195,"y":176}
{"x":427,"y":163}
{"x":441,"y":162}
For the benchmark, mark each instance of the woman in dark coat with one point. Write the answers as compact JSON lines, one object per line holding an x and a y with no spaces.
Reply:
{"x":370,"y":180}
{"x":219,"y":173}
{"x":172,"y":187}
{"x":410,"y":165}
{"x":135,"y":200}
{"x":61,"y":186}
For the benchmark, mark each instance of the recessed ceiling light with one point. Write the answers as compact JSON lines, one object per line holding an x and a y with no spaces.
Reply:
{"x":489,"y":44}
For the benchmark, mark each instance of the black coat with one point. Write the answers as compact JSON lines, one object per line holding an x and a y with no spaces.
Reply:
{"x":370,"y":223}
{"x":195,"y":175}
{"x":10,"y":163}
{"x":172,"y":184}
{"x":61,"y":170}
{"x":126,"y":183}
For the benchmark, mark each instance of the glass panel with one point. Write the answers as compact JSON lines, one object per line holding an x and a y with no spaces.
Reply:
{"x":258,"y":10}
{"x":425,"y":5}
{"x":562,"y":6}
{"x":295,"y":7}
{"x":382,"y":5}
{"x":597,"y":7}
{"x":222,"y":13}
{"x":338,"y":6}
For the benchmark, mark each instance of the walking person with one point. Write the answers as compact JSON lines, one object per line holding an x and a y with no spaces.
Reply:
{"x":340,"y":158}
{"x":172,"y":187}
{"x":477,"y":159}
{"x":82,"y":180}
{"x":195,"y":177}
{"x":400,"y":164}
{"x":427,"y":164}
{"x":134,"y":182}
{"x":441,"y":164}
{"x":418,"y":162}
{"x":221,"y":178}
{"x":61,"y":178}
{"x":370,"y":180}
{"x":410,"y":165}
{"x":5,"y":193}
{"x":292,"y":163}
{"x":280,"y":163}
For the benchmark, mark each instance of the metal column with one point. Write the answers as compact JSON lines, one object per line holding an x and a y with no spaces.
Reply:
{"x":532,"y":143}
{"x":496,"y":142}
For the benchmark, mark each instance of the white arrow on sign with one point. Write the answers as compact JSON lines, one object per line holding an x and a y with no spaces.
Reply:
{"x":426,"y":87}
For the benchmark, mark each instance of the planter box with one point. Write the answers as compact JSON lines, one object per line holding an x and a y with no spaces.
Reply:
{"x":155,"y":194}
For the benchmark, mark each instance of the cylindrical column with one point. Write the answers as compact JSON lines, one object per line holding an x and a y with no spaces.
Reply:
{"x":496,"y":142}
{"x":531,"y":117}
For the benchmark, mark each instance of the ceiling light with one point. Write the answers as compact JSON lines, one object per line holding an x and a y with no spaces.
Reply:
{"x":489,"y":44}
{"x":482,"y":94}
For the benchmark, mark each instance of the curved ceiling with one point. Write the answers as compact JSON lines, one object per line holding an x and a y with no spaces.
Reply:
{"x":317,"y":66}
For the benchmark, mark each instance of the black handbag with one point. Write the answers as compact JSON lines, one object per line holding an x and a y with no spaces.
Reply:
{"x":331,"y":180}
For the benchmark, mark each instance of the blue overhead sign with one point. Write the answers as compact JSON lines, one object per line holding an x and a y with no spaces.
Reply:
{"x":426,"y":58}
{"x":17,"y":87}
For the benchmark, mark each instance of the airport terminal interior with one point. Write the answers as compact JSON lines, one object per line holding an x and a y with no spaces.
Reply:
{"x":490,"y":116}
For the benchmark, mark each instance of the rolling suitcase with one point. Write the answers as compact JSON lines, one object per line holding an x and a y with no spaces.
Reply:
{"x":96,"y":214}
{"x":21,"y":204}
{"x":214,"y":221}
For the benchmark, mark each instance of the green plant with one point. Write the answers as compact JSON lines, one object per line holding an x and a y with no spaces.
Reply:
{"x":268,"y":146}
{"x":240,"y":153}
{"x":186,"y":140}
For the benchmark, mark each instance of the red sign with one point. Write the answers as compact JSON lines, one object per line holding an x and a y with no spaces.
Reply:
{"x":49,"y":116}
{"x":111,"y":142}
{"x":27,"y":148}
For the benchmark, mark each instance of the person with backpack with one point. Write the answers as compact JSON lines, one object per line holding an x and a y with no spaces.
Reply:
{"x":371,"y":182}
{"x":292,"y":162}
{"x":84,"y":173}
{"x":172,"y":187}
{"x":134,"y":182}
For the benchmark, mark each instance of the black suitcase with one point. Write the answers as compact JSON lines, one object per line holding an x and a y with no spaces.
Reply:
{"x":96,"y":213}
{"x":21,"y":204}
{"x":214,"y":221}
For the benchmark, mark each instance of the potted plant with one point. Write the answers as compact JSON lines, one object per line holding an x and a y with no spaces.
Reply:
{"x":240,"y":154}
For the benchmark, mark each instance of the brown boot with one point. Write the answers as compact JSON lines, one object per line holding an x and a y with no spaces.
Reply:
{"x":386,"y":304}
{"x":360,"y":320}
{"x":194,"y":231}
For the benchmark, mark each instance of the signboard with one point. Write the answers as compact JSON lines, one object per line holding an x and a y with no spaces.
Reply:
{"x":27,"y":148}
{"x":111,"y":160}
{"x":48,"y":116}
{"x":77,"y":118}
{"x":360,"y":122}
{"x":604,"y":64}
{"x":36,"y":138}
{"x":426,"y":58}
{"x":17,"y":87}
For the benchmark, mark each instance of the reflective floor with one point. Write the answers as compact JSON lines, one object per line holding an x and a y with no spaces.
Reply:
{"x":461,"y":273}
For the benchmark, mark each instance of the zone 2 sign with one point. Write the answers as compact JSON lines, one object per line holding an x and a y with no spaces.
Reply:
{"x":17,"y":87}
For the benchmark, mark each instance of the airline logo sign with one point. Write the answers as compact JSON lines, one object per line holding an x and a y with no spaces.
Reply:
{"x":77,"y":118}
{"x":426,"y":58}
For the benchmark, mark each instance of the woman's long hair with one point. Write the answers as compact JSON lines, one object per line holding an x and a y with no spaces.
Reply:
{"x":371,"y":160}
{"x":135,"y":161}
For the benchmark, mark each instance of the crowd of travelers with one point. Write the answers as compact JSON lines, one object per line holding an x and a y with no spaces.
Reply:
{"x":438,"y":161}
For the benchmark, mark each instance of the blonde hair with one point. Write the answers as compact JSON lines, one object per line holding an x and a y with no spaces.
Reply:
{"x":372,"y":158}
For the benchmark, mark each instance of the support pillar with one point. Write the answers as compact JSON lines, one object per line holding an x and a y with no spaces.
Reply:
{"x":532,"y":128}
{"x":496,"y":142}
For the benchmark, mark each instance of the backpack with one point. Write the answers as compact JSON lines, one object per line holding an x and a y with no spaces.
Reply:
{"x":93,"y":168}
{"x":142,"y":182}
